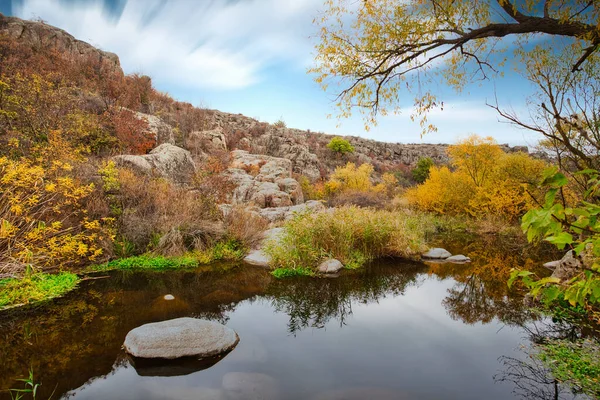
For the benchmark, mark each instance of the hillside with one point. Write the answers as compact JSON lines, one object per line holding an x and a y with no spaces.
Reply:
{"x":307,"y":150}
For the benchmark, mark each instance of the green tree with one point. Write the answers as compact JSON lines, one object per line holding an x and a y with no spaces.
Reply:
{"x":341,"y":146}
{"x":421,"y":172}
{"x":373,"y":48}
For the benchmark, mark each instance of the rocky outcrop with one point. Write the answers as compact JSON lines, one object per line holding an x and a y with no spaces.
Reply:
{"x":263,"y":181}
{"x":167,"y":160}
{"x":212,"y":139}
{"x":41,"y":35}
{"x":181,"y":337}
{"x":163,"y":132}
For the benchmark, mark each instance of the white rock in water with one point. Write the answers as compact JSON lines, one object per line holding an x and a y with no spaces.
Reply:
{"x":169,"y":297}
{"x":437,"y":253}
{"x":181,"y":337}
{"x":330,"y":266}
{"x":258,"y":258}
{"x":459,"y":258}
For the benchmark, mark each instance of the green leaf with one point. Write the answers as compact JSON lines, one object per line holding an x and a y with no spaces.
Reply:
{"x":560,"y":240}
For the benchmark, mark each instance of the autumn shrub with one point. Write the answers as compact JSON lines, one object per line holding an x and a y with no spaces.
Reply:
{"x":42,"y":219}
{"x":132,"y":132}
{"x":340,"y":146}
{"x":244,"y":226}
{"x":148,"y":206}
{"x":350,"y":183}
{"x":350,"y":234}
{"x":485,"y":181}
{"x":311,"y":191}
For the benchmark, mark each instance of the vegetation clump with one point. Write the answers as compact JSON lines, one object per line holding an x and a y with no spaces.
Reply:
{"x":35,"y":287}
{"x":350,"y":234}
{"x":340,"y":146}
{"x":421,"y":171}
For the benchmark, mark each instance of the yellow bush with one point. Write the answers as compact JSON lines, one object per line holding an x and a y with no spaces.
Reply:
{"x":350,"y":177}
{"x":42,"y":217}
{"x":486,"y":181}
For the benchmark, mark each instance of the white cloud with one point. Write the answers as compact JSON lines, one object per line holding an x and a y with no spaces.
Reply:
{"x":219,"y":44}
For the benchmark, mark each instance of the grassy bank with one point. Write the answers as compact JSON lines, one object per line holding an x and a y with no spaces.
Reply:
{"x":34,"y":288}
{"x":350,"y":234}
{"x":223,"y":251}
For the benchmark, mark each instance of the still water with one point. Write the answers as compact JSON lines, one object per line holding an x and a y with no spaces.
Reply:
{"x":394,"y":330}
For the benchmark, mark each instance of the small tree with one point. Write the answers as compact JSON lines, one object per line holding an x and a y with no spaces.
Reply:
{"x":421,"y":171}
{"x":341,"y":146}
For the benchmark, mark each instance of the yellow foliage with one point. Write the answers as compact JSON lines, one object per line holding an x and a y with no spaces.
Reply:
{"x":42,"y":217}
{"x":486,"y":181}
{"x":350,"y":178}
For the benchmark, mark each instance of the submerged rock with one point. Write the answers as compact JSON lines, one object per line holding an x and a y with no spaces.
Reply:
{"x":459,"y":258}
{"x":330,"y":266}
{"x":437,"y":254}
{"x":250,"y":386}
{"x":181,"y":337}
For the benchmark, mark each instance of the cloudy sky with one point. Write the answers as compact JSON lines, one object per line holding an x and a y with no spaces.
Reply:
{"x":251,"y":57}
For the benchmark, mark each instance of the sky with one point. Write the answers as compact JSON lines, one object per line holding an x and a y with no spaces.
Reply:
{"x":251,"y":57}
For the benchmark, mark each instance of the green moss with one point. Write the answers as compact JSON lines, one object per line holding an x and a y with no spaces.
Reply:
{"x":574,"y":363}
{"x":290,"y":272}
{"x":34,"y":288}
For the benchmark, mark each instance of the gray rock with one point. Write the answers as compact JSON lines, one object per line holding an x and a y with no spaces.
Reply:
{"x":250,"y":386}
{"x":258,"y":258}
{"x":213,"y":139}
{"x":276,"y":214}
{"x":169,"y":161}
{"x":459,"y":258}
{"x":552,"y":264}
{"x":163,"y":132}
{"x":330,"y":266}
{"x":181,"y":337}
{"x":437,"y":254}
{"x":568,"y":267}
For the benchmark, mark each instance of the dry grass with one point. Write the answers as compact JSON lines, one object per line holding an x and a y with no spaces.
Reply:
{"x":245,"y":227}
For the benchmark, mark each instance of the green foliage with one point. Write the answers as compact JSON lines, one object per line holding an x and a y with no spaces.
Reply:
{"x":575,"y":227}
{"x":350,"y":234}
{"x":421,"y":172}
{"x":31,"y":387}
{"x":35,"y":287}
{"x":576,"y":364}
{"x":340,"y":146}
{"x":280,"y":273}
{"x":229,"y":250}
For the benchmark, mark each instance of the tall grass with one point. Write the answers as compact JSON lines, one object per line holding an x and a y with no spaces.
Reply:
{"x":351,"y":234}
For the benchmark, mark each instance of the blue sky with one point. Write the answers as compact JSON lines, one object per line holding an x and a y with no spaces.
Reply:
{"x":250,"y":57}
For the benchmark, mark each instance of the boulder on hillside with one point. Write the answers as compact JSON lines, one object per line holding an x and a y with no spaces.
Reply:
{"x":180,"y":337}
{"x":262,"y":180}
{"x":211,"y":139}
{"x":166,"y":160}
{"x":163,"y":132}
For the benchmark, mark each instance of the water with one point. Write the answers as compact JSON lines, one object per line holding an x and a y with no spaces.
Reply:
{"x":395,"y":330}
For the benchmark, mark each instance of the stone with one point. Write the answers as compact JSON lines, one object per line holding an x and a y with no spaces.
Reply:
{"x":180,"y":337}
{"x":169,"y":297}
{"x":214,"y":139}
{"x":552,"y":264}
{"x":169,"y":161}
{"x":330,"y":266}
{"x":276,"y":214}
{"x":250,"y":386}
{"x":437,"y":254}
{"x":163,"y":132}
{"x":568,"y":267}
{"x":258,"y":258}
{"x":459,"y":258}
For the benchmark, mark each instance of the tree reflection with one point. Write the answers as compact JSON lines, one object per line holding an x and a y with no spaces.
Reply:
{"x":314,"y":302}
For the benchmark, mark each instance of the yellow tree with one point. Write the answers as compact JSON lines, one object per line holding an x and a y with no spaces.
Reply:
{"x":476,"y":156}
{"x":382,"y":50}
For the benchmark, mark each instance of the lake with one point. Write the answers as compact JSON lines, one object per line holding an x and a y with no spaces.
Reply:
{"x":394,"y":330}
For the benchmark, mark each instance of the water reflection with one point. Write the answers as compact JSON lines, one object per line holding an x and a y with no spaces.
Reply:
{"x":395,"y":325}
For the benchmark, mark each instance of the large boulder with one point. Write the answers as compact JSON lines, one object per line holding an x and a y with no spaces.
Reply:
{"x":166,"y":160}
{"x":211,"y":139}
{"x":437,"y":254}
{"x":263,"y":181}
{"x":181,"y":337}
{"x":163,"y":132}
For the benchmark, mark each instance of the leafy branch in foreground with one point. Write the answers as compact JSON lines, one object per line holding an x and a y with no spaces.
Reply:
{"x":576,"y":228}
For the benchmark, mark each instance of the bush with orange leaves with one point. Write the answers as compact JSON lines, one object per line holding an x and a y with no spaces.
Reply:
{"x":485,"y":181}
